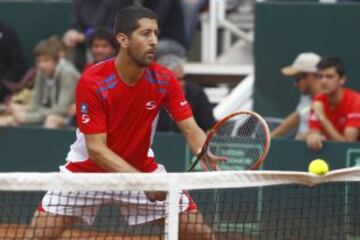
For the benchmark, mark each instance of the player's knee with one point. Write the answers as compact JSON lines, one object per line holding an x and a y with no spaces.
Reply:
{"x":193,"y":226}
{"x":44,"y":226}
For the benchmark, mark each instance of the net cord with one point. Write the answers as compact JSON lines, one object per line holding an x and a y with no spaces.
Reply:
{"x":21,"y":181}
{"x":172,"y":183}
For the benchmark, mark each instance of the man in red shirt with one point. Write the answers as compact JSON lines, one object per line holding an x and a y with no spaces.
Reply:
{"x":118,"y":103}
{"x":335,"y":113}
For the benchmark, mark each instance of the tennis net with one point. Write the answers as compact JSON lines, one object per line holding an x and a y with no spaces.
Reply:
{"x":270,"y":205}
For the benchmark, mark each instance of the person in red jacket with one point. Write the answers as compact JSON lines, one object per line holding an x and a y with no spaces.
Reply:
{"x":335,"y":113}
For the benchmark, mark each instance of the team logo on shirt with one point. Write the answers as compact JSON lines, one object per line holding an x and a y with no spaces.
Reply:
{"x":183,"y":103}
{"x":84,"y":108}
{"x":85,"y":118}
{"x":150,"y":105}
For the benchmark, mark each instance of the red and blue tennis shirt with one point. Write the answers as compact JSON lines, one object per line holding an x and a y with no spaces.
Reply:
{"x":127,"y":114}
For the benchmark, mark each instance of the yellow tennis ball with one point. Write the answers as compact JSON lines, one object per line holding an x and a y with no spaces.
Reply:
{"x":319,"y":167}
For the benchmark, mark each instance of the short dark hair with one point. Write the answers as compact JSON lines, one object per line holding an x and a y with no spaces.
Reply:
{"x":127,"y":19}
{"x":335,"y":62}
{"x":105,"y":34}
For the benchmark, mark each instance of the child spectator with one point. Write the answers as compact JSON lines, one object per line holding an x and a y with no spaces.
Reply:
{"x":53,"y":91}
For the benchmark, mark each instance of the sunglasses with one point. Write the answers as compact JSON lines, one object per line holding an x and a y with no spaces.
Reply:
{"x":300,"y":76}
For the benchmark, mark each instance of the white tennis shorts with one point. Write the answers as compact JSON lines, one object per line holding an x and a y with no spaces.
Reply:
{"x":134,"y":205}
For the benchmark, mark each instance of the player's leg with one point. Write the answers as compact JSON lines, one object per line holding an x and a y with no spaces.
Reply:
{"x":59,"y":211}
{"x":193,"y":227}
{"x":191,"y":222}
{"x":46,"y":225}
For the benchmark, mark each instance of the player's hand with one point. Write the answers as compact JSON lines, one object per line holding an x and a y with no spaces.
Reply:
{"x":318,"y":109}
{"x":314,"y":141}
{"x":213,"y":162}
{"x":155,"y":195}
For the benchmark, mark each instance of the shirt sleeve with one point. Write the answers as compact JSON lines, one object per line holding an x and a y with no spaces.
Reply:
{"x":304,"y":104}
{"x":353,"y":117}
{"x":176,"y":103}
{"x":90,"y":113}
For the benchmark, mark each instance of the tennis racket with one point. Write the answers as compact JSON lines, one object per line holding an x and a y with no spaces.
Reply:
{"x":241,"y":140}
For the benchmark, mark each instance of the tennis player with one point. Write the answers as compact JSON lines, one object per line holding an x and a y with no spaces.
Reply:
{"x":118,"y":102}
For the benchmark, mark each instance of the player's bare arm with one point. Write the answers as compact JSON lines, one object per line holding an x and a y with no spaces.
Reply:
{"x":194,"y":135}
{"x":290,"y":123}
{"x":111,"y":162}
{"x":104,"y":156}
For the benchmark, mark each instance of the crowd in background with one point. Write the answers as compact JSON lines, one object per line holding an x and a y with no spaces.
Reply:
{"x":326,"y":110}
{"x":43,"y":94}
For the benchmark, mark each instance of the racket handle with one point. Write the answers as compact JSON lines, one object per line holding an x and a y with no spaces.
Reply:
{"x":193,"y":165}
{"x":199,"y":153}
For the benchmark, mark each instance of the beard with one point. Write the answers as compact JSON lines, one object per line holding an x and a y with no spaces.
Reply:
{"x":141,"y":61}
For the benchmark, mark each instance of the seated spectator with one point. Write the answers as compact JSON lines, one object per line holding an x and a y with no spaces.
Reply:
{"x":172,"y":38}
{"x":192,"y":9}
{"x":53,"y":91}
{"x":194,"y":94}
{"x":335,"y":114}
{"x":304,"y":72}
{"x":59,"y":44}
{"x":12,"y":62}
{"x":29,"y":76}
{"x":102,"y":45}
{"x":22,"y":93}
{"x":86,"y":16}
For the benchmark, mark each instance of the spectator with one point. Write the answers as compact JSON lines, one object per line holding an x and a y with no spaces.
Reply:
{"x":59,"y":44}
{"x":304,"y":72}
{"x":102,"y":45}
{"x":171,"y":23}
{"x":194,"y":94}
{"x":86,"y":16}
{"x":192,"y":9}
{"x":335,"y":114}
{"x":21,"y":98}
{"x":12,"y":63}
{"x":54,"y":87}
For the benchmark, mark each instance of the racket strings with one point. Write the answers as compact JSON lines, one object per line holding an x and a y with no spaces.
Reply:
{"x":242,"y":140}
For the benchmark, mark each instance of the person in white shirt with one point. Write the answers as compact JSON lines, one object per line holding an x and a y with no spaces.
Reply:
{"x":304,"y":72}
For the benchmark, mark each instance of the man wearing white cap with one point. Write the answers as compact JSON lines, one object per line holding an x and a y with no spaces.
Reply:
{"x":304,"y":72}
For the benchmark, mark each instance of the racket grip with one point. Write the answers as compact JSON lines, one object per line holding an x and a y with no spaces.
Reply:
{"x":199,"y":153}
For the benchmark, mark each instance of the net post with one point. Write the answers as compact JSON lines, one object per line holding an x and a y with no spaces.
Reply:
{"x":172,"y":218}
